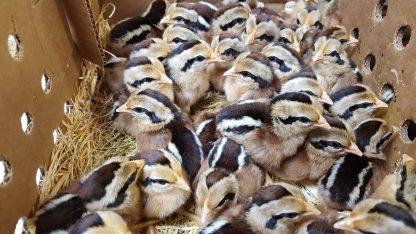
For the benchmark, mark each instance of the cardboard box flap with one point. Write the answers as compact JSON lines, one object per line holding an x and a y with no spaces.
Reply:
{"x":82,"y":24}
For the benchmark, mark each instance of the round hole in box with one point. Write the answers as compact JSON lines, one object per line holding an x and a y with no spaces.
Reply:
{"x":40,"y":176}
{"x":46,"y":83}
{"x":67,"y":107}
{"x":355,"y":32}
{"x":408,"y":131}
{"x":5,"y":172}
{"x":56,"y":135}
{"x":387,"y":93}
{"x":15,"y":47}
{"x":26,"y":122}
{"x":402,"y":37}
{"x":369,"y":63}
{"x":22,"y":227}
{"x":381,"y":10}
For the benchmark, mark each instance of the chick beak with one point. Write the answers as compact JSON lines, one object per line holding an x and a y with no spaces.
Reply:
{"x":182,"y":184}
{"x":352,"y":41}
{"x":139,"y":163}
{"x":231,"y":72}
{"x":406,"y":158}
{"x":345,"y":224}
{"x":164,"y":79}
{"x":215,"y":59}
{"x":395,"y":130}
{"x":123,"y":108}
{"x":204,"y":214}
{"x":250,"y":39}
{"x":380,"y":104}
{"x":322,"y":123}
{"x":353,"y":149}
{"x":296,"y":46}
{"x":166,"y":21}
{"x":326,"y":99}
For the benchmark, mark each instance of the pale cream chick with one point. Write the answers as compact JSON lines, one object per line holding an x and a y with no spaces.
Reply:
{"x":104,"y":222}
{"x":176,"y":34}
{"x":260,"y":31}
{"x":152,"y":48}
{"x":284,"y":60}
{"x":230,"y":18}
{"x":292,"y":38}
{"x":113,"y":73}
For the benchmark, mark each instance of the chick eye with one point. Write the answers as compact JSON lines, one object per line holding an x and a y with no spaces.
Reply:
{"x":266,"y":37}
{"x":179,"y":18}
{"x":178,"y":40}
{"x":298,"y":22}
{"x":308,"y":92}
{"x":333,"y":54}
{"x":343,"y":41}
{"x":246,"y":73}
{"x":335,"y":145}
{"x":304,"y":119}
{"x":318,"y":25}
{"x":228,"y":197}
{"x":161,"y":58}
{"x":162,"y":181}
{"x":383,"y":140}
{"x":199,"y":58}
{"x":290,"y":215}
{"x":239,"y":20}
{"x":284,"y":40}
{"x":230,"y":52}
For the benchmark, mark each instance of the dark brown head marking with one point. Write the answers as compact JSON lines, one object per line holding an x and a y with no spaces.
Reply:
{"x":269,"y":193}
{"x":215,"y":176}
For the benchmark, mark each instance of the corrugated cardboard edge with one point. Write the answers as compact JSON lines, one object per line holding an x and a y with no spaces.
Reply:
{"x":81,"y":21}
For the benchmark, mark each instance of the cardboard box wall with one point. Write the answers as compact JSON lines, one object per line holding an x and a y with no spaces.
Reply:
{"x":56,"y":35}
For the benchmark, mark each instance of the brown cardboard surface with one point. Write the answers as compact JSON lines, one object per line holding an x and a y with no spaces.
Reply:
{"x":377,"y":38}
{"x":48,"y":48}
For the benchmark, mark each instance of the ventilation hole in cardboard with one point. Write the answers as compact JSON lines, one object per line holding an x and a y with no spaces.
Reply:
{"x":402,"y":37}
{"x":15,"y":47}
{"x":355,"y":32}
{"x":369,"y":63}
{"x":381,"y":10}
{"x":46,"y":83}
{"x":26,"y":121}
{"x":56,"y":135}
{"x":67,"y":107}
{"x":5,"y":172}
{"x":408,"y":131}
{"x":40,"y":176}
{"x":387,"y":93}
{"x":22,"y":227}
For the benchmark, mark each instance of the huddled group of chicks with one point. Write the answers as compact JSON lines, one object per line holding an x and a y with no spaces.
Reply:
{"x":296,"y":111}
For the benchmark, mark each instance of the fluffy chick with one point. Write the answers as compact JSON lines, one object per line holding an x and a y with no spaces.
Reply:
{"x":250,"y":77}
{"x":176,"y":34}
{"x":152,"y":48}
{"x":100,"y":222}
{"x":113,"y":73}
{"x":293,"y":38}
{"x":163,"y":182}
{"x":260,"y":31}
{"x":160,"y":125}
{"x":230,"y":18}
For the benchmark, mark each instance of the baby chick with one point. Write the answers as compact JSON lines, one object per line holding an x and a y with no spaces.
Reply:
{"x":206,"y":130}
{"x":59,"y":213}
{"x":186,"y":66}
{"x":160,"y":125}
{"x":130,"y":31}
{"x":250,"y":77}
{"x":355,"y":103}
{"x":284,"y":60}
{"x":176,"y":34}
{"x":270,"y":133}
{"x":340,"y":33}
{"x":321,"y":150}
{"x":230,"y":18}
{"x":277,"y":208}
{"x":216,"y":191}
{"x":292,"y":38}
{"x":322,"y":223}
{"x":113,"y":73}
{"x":378,"y":216}
{"x":230,"y":156}
{"x":196,"y":15}
{"x":142,"y":73}
{"x":226,"y":48}
{"x":309,"y":21}
{"x":163,"y":182}
{"x":153,"y":48}
{"x":112,"y":186}
{"x":260,"y":31}
{"x":100,"y":222}
{"x":306,"y":82}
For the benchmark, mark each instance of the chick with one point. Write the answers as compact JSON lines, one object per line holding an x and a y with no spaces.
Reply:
{"x":112,"y":186}
{"x":322,"y":148}
{"x":260,"y":31}
{"x":309,"y":21}
{"x":306,"y":82}
{"x":113,"y":73}
{"x":163,"y":182}
{"x":349,"y":43}
{"x":346,"y":182}
{"x":284,"y":60}
{"x":142,"y":73}
{"x":230,"y":156}
{"x":216,"y":191}
{"x":186,"y":66}
{"x":196,"y":15}
{"x":130,"y":31}
{"x":378,"y":216}
{"x":277,"y":209}
{"x":160,"y":125}
{"x":250,"y":77}
{"x":355,"y":103}
{"x":100,"y":222}
{"x":292,"y":38}
{"x":152,"y":48}
{"x":59,"y":213}
{"x":271,"y":132}
{"x":322,"y":223}
{"x":226,"y":48}
{"x":176,"y":34}
{"x":230,"y":18}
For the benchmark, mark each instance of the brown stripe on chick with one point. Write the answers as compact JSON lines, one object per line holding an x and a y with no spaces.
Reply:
{"x":319,"y":226}
{"x":395,"y":212}
{"x":215,"y":176}
{"x":126,"y":26}
{"x":328,"y":32}
{"x":143,"y":44}
{"x":264,"y":10}
{"x":228,"y":160}
{"x":184,"y":47}
{"x":347,"y":91}
{"x":269,"y":193}
{"x":156,"y":11}
{"x":303,"y":74}
{"x":364,"y":131}
{"x":225,"y":8}
{"x":335,"y":122}
{"x":137,"y":61}
{"x":152,"y":157}
{"x":202,"y":9}
{"x":226,"y":35}
{"x":87,"y":222}
{"x":292,"y":96}
{"x":255,"y":110}
{"x":293,"y":53}
{"x":261,"y":58}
